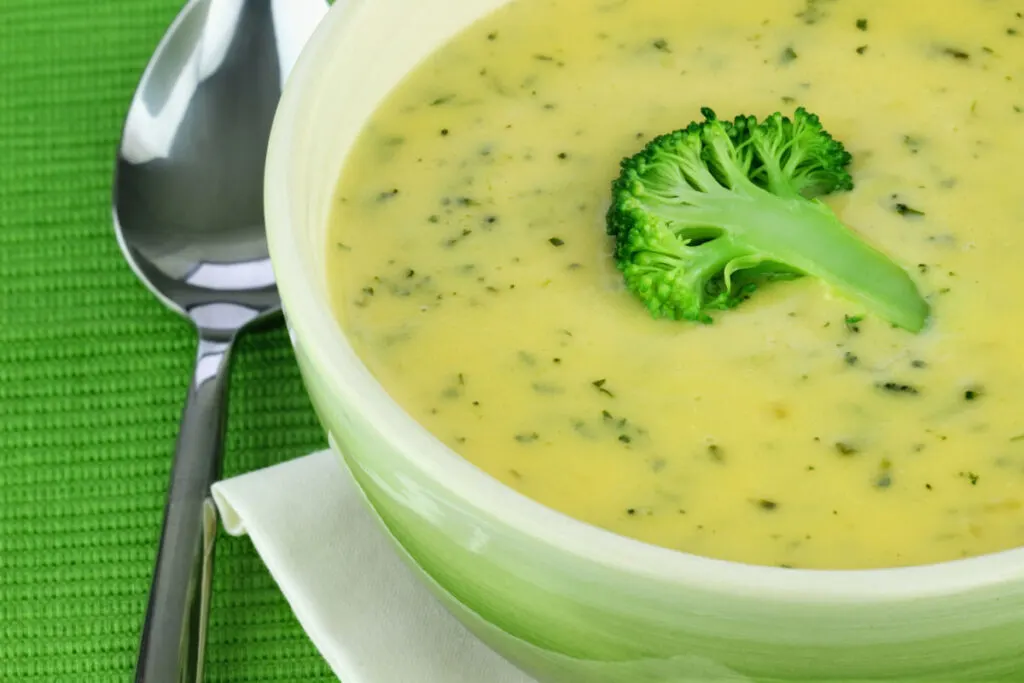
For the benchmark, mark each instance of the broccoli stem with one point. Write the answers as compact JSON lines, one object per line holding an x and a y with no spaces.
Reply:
{"x":807,"y":236}
{"x":702,"y":262}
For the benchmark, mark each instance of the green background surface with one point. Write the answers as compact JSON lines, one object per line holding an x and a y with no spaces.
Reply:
{"x":93,"y":372}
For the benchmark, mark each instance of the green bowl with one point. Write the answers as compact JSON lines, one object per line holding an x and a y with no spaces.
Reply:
{"x":565,"y":601}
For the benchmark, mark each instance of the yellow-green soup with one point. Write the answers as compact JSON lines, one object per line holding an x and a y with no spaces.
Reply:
{"x":470,"y":266}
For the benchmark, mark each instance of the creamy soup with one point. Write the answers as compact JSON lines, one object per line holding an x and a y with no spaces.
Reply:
{"x":471,"y":269}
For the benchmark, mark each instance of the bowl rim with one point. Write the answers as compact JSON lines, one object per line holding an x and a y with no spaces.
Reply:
{"x":321,"y":339}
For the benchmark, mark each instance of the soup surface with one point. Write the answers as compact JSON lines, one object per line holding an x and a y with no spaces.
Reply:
{"x":470,"y":267}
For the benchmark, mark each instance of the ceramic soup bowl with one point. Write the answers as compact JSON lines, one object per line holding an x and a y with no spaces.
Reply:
{"x":565,"y":601}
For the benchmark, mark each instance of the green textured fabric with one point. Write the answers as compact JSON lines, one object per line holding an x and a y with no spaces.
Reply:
{"x":93,"y":373}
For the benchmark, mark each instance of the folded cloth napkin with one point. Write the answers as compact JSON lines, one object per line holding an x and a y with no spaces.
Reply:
{"x":362,"y":607}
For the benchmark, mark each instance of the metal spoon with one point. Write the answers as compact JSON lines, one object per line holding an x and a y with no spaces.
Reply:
{"x":188,"y":213}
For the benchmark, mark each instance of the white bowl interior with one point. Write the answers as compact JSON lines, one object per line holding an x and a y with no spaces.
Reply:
{"x":347,"y":69}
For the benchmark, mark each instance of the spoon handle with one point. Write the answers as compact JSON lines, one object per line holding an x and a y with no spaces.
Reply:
{"x":174,"y":632}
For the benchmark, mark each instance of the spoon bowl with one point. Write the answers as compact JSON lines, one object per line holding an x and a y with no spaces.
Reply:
{"x":188,"y":215}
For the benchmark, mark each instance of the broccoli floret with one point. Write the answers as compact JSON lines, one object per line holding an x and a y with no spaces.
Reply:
{"x":704,"y":215}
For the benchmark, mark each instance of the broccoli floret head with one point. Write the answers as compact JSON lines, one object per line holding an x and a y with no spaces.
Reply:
{"x":797,"y":156}
{"x":704,"y":215}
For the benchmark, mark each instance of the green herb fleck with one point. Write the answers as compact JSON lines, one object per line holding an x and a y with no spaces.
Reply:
{"x":913,"y":143}
{"x":884,"y":478}
{"x":956,"y":53}
{"x":766,"y":504}
{"x":845,"y":448}
{"x":862,"y":24}
{"x":661,"y":45}
{"x":971,"y":477}
{"x":556,"y":241}
{"x":861,"y":49}
{"x":898,"y":388}
{"x":787,"y":56}
{"x":812,"y":12}
{"x":527,"y":437}
{"x":906,"y":210}
{"x":852,"y":323}
{"x":599,"y":384}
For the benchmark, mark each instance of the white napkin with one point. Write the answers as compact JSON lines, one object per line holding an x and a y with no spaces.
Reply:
{"x":361,"y":606}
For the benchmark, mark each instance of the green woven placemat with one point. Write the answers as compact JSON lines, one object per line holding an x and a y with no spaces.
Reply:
{"x":93,"y":372}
